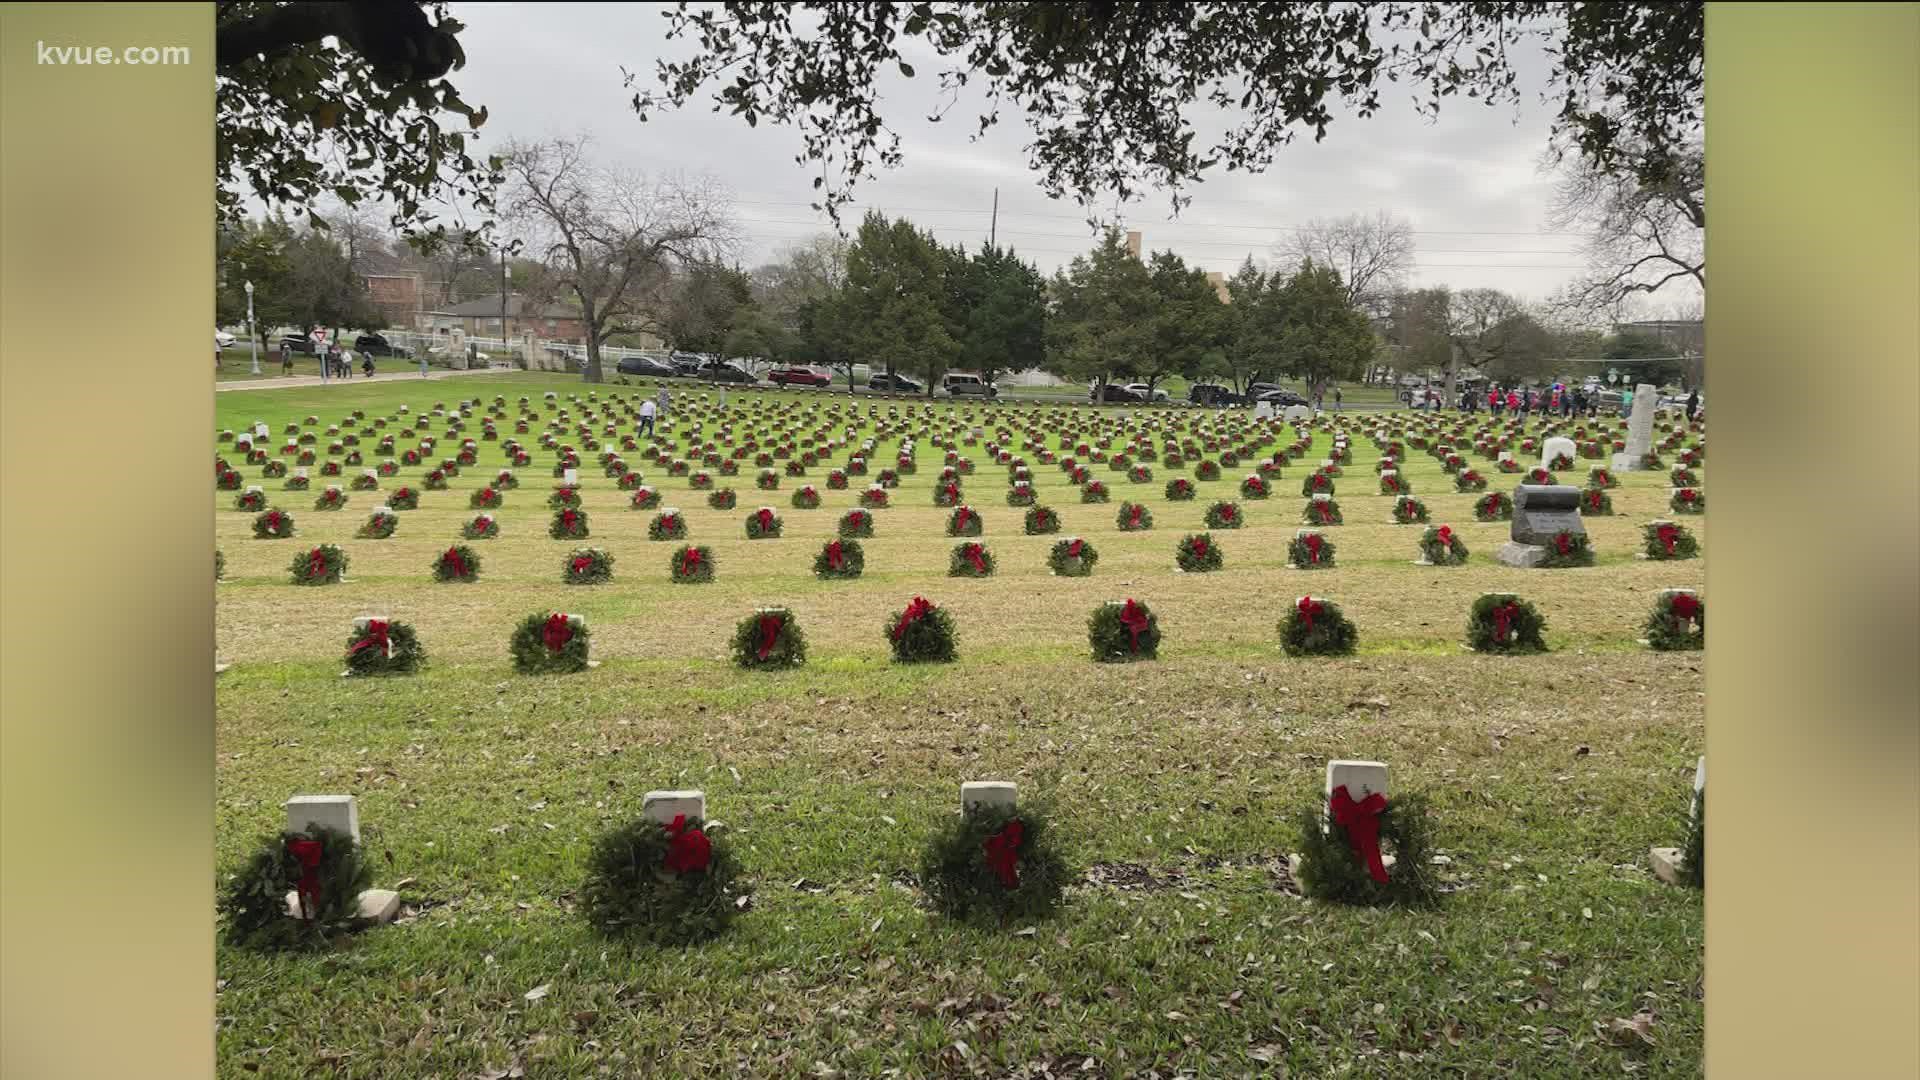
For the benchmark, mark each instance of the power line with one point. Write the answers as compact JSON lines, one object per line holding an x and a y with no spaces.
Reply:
{"x":1208,"y":243}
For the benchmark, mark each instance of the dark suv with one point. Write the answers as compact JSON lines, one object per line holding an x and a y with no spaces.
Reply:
{"x":1114,"y":393}
{"x":378,"y":345}
{"x":719,"y":371}
{"x":900,"y":385}
{"x":1213,"y":395}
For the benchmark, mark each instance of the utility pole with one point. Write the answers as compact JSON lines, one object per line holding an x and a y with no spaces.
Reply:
{"x":503,"y":304}
{"x":993,"y":223}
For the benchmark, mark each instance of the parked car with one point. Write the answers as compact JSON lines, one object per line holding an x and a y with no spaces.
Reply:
{"x":1281,"y":399}
{"x":378,"y":345}
{"x":1213,"y":395}
{"x":719,"y":371}
{"x":960,"y":385}
{"x":299,"y":343}
{"x":799,"y":375}
{"x":1255,"y":389}
{"x":1114,"y":393}
{"x":900,"y":385}
{"x":1156,"y":396}
{"x":646,"y":367}
{"x":223,"y":340}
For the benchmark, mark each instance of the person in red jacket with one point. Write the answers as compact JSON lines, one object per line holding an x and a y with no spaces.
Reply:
{"x":1513,"y":402}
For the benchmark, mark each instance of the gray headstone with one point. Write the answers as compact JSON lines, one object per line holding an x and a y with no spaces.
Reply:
{"x":1541,"y":511}
{"x":1639,"y":428}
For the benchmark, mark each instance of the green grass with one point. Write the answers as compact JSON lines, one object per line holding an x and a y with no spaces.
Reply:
{"x":1550,"y":778}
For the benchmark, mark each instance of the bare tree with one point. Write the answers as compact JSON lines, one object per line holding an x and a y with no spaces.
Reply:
{"x":1373,"y":255}
{"x":1645,"y":234}
{"x":811,"y":270}
{"x":610,"y":241}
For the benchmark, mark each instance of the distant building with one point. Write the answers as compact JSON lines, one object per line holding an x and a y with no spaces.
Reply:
{"x":481,"y":318}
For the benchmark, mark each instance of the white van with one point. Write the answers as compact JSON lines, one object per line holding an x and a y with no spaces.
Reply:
{"x":959,"y":385}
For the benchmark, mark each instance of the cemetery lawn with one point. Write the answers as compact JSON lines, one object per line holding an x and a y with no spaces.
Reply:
{"x":1177,"y":785}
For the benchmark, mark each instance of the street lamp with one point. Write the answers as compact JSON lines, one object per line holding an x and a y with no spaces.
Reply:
{"x":253,"y":342}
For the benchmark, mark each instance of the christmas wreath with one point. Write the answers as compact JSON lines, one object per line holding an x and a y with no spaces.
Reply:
{"x":273,"y":525}
{"x":1072,"y":557}
{"x":1020,"y":494}
{"x":703,"y":481}
{"x":1508,"y":465}
{"x":1651,"y":462}
{"x":767,"y":480}
{"x":387,"y":468}
{"x":806,"y":497}
{"x":1688,"y":500}
{"x":1223,"y":515}
{"x":691,"y":565}
{"x":1495,"y":506}
{"x":324,"y":870}
{"x":1666,"y":540}
{"x":1139,"y":474}
{"x":1504,"y":623}
{"x":1255,"y":487}
{"x":645,"y":498}
{"x":795,"y":468}
{"x":1318,"y":483}
{"x":1392,"y":484}
{"x":1441,"y":546}
{"x":1123,"y":632}
{"x":1567,"y":548}
{"x":226,"y":480}
{"x":1207,"y":470}
{"x":628,"y":481}
{"x":1341,"y":858}
{"x":1683,"y":477}
{"x":297,"y":483}
{"x":1678,"y":622}
{"x":855,"y":524}
{"x":1310,"y":551}
{"x":970,"y":560}
{"x":1198,"y":553}
{"x":1560,"y":463}
{"x":837,"y":480}
{"x":667,"y":884}
{"x":457,"y":563}
{"x":921,"y":634}
{"x":1408,"y":510}
{"x":403,"y":498}
{"x":569,"y":523}
{"x":587,"y":566}
{"x":253,"y":500}
{"x":994,"y":863}
{"x":1322,"y":510}
{"x":887,"y":478}
{"x":1469,"y":480}
{"x":564,"y":497}
{"x":840,"y":559}
{"x":1595,"y":502}
{"x":1134,"y":517}
{"x":554,"y":642}
{"x":769,"y":638}
{"x":964,"y":521}
{"x":724,"y":499}
{"x":1540,"y":477}
{"x":947,"y":494}
{"x":273,"y":470}
{"x":323,"y":565}
{"x":764,"y":524}
{"x":874,"y":498}
{"x":435,"y":480}
{"x":1317,"y":627}
{"x":384,"y":647}
{"x":481,"y":527}
{"x":1179,"y":489}
{"x":1093,"y":491}
{"x":1041,"y":520}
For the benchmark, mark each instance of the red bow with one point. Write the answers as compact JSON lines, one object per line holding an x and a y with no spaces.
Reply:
{"x":1073,"y":549}
{"x":316,"y":563}
{"x":1226,"y":513}
{"x":952,"y":492}
{"x":856,"y":519}
{"x":960,"y":518}
{"x":1134,"y":618}
{"x":1313,"y":542}
{"x":1362,"y":822}
{"x":834,"y":555}
{"x":765,"y":517}
{"x":1503,"y":621}
{"x":376,"y":638}
{"x":973,"y":556}
{"x":1445,"y":536}
{"x":1392,"y":484}
{"x":1685,"y":606}
{"x":458,"y":565}
{"x":567,"y":518}
{"x":1667,"y":534}
{"x":1325,"y":511}
{"x":770,"y":626}
{"x":558,"y":632}
{"x":1308,"y":609}
{"x":273,"y":520}
{"x":1002,"y":851}
{"x":1200,"y":547}
{"x":307,"y":853}
{"x":1563,"y":542}
{"x":687,"y":848}
{"x":581,"y":563}
{"x":1492,"y":504}
{"x":1041,"y":517}
{"x":916,"y":611}
{"x":1687,"y":495}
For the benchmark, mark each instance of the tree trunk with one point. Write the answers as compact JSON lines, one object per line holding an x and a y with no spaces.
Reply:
{"x":593,"y":373}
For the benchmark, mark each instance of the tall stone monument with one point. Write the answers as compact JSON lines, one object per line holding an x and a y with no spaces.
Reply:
{"x":1639,"y":428}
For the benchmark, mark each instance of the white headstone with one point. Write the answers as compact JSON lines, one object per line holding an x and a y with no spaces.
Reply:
{"x":1639,"y":428}
{"x":1263,"y":410}
{"x":1557,"y":446}
{"x":987,"y":793}
{"x":664,"y":806}
{"x":1297,"y":412}
{"x":260,"y":430}
{"x":1506,"y":455}
{"x":300,"y":471}
{"x":1699,"y":784}
{"x":254,"y":489}
{"x":336,"y":812}
{"x":570,"y":477}
{"x":1360,"y":778}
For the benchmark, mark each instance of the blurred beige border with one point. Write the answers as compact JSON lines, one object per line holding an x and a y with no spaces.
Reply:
{"x":106,"y":666}
{"x":1813,"y":317}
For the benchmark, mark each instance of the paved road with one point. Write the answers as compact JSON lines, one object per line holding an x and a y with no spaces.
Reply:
{"x":392,"y":374}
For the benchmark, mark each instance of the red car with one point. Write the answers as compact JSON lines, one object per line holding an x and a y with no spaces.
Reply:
{"x":800,"y":376}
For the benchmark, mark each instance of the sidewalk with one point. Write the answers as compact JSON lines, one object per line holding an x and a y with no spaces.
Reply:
{"x":411,"y":375}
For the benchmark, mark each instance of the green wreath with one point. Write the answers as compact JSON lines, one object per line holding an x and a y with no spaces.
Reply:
{"x":971,"y":525}
{"x":1224,"y":515}
{"x":1320,"y":629}
{"x":633,"y":888}
{"x":724,"y":499}
{"x":1072,"y":557}
{"x":667,"y":525}
{"x":960,"y":876}
{"x":691,"y":565}
{"x":851,"y":564}
{"x":1041,"y":520}
{"x":1094,"y":491}
{"x":1199,"y":553}
{"x":273,"y":524}
{"x":1566,"y":548}
{"x":769,"y":638}
{"x":254,"y":902}
{"x":1671,"y":631}
{"x":1683,"y":546}
{"x":1693,"y":866}
{"x":327,"y":569}
{"x":1595,"y":502}
{"x":1123,"y":632}
{"x":402,"y":653}
{"x":921,"y":634}
{"x":533,"y":655}
{"x":457,"y":563}
{"x":1322,"y":512}
{"x":970,"y":559}
{"x":1439,"y":550}
{"x":1331,"y":870}
{"x":569,"y":523}
{"x":587,"y":566}
{"x":1524,"y":626}
{"x":1408,"y":510}
{"x":1301,"y":553}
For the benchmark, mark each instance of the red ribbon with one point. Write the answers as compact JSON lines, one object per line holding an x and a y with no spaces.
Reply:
{"x":307,"y":853}
{"x":1392,"y":484}
{"x":689,"y":562}
{"x":1492,"y":504}
{"x":1073,"y":550}
{"x":834,"y":555}
{"x":316,"y":563}
{"x":581,"y":563}
{"x":458,"y":565}
{"x":1308,"y":609}
{"x":1667,"y":534}
{"x":1313,"y":542}
{"x":1002,"y":852}
{"x":916,"y":611}
{"x":1134,"y":618}
{"x":1362,"y":822}
{"x":770,"y":626}
{"x":567,"y":518}
{"x":952,"y":493}
{"x":1445,"y":536}
{"x":1133,"y":518}
{"x":1503,"y":621}
{"x":273,"y":521}
{"x":960,"y":518}
{"x":687,"y":848}
{"x":973,"y":556}
{"x":765,"y":517}
{"x":1563,"y":542}
{"x":1687,"y":495}
{"x":1326,"y":512}
{"x":376,"y":637}
{"x":558,"y":632}
{"x":1685,"y":606}
{"x":856,"y":519}
{"x":1200,"y":547}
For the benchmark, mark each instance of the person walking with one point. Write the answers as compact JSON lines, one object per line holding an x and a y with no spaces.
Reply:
{"x":423,"y":363}
{"x":1693,"y":404}
{"x":1626,"y":401}
{"x":647,"y":412}
{"x":1336,"y":402}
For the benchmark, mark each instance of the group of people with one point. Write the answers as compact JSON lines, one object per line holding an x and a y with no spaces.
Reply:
{"x":1563,"y":401}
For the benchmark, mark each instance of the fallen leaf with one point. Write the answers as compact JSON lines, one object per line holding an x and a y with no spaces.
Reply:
{"x":539,"y":992}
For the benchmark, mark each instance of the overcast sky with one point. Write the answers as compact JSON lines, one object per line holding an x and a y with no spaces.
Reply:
{"x":1469,"y":183}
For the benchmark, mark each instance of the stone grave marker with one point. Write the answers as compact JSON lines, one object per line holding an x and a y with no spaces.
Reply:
{"x":987,"y":793}
{"x":570,"y":478}
{"x":1557,"y":446}
{"x":662,"y":807}
{"x":1669,"y":862}
{"x":337,"y":812}
{"x":1263,"y":410}
{"x":1639,"y":428}
{"x":1297,"y":412}
{"x":1540,"y":511}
